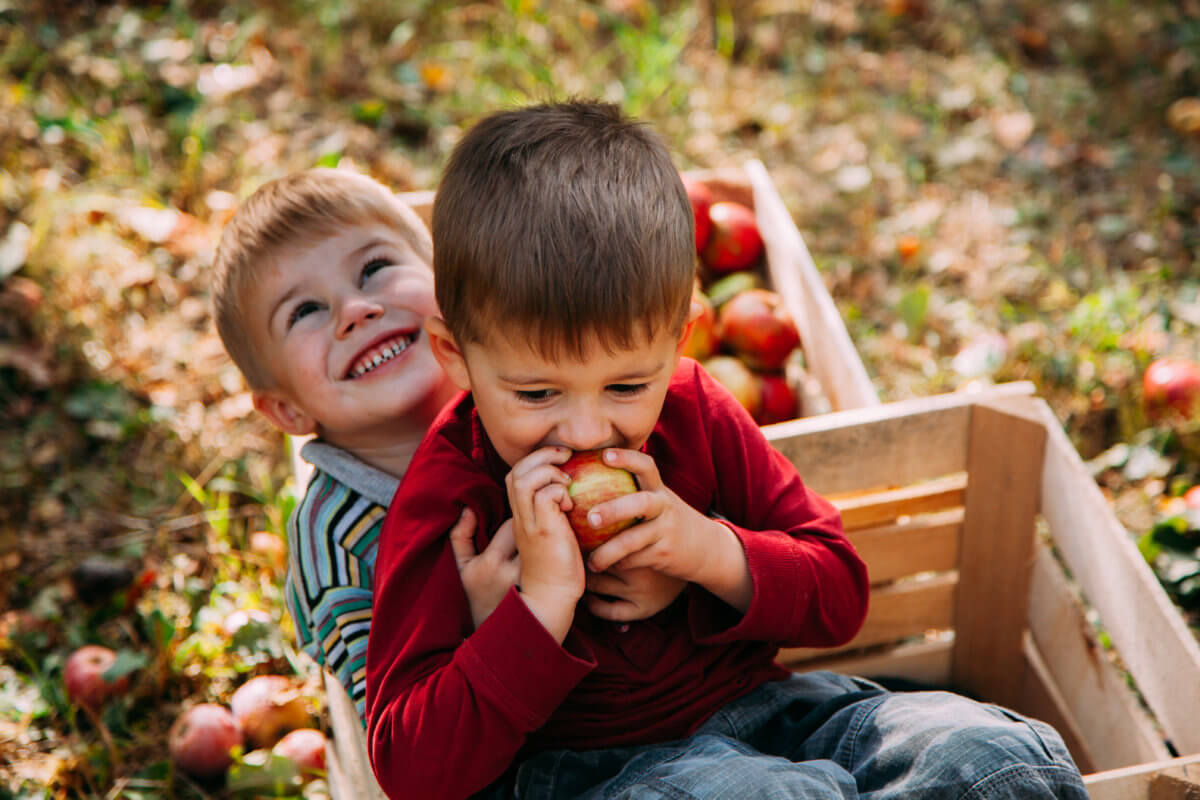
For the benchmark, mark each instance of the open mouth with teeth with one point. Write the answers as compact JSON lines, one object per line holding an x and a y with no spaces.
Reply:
{"x":380,"y":353}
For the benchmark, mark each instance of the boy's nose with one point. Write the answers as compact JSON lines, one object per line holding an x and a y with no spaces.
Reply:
{"x":585,"y":431}
{"x":355,"y":311}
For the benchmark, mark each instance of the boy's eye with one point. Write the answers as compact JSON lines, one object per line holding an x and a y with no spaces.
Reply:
{"x":373,"y":266}
{"x":300,"y":311}
{"x":535,"y":395}
{"x":627,"y":389}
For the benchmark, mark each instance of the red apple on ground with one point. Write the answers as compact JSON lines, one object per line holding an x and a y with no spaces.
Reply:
{"x":1171,"y":386}
{"x":201,"y":738}
{"x":267,"y":707}
{"x":594,"y":482}
{"x":83,"y":675}
{"x":732,"y":373}
{"x":702,"y":340}
{"x":702,"y":200}
{"x":778,"y":400}
{"x":735,"y":242}
{"x":305,"y":746}
{"x":1191,"y":497}
{"x":757,"y":326}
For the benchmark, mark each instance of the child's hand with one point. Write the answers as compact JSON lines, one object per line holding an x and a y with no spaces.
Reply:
{"x":486,"y":576}
{"x":672,"y":537}
{"x":552,"y":575}
{"x":625,"y":595}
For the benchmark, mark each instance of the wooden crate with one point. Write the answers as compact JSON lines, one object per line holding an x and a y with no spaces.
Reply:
{"x":971,"y":511}
{"x":829,"y":354}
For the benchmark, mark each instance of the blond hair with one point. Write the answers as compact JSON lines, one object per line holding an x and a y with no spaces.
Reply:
{"x":290,"y":212}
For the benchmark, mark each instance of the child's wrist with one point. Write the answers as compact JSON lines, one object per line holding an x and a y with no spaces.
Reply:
{"x":554,"y":609}
{"x":725,"y":571}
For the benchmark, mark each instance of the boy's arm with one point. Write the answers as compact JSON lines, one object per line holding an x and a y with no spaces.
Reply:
{"x":449,"y":706}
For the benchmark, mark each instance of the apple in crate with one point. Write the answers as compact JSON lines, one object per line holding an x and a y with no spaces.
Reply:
{"x":201,"y":738}
{"x":1171,"y":385}
{"x":701,"y":198}
{"x":732,"y":373}
{"x":735,"y":242}
{"x":593,"y":482}
{"x":83,"y":676}
{"x":778,"y":400}
{"x":757,"y":327}
{"x":702,"y":339}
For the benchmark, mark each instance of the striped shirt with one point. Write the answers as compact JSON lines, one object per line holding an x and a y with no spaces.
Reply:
{"x":333,"y":536}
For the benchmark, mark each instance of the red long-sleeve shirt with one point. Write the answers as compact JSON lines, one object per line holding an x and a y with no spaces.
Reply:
{"x":450,"y":707}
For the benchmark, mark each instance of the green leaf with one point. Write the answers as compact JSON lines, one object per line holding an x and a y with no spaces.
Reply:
{"x":127,"y":661}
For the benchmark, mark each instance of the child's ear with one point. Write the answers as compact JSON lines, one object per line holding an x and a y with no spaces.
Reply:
{"x":283,"y":414}
{"x":693,"y":314}
{"x":448,"y":353}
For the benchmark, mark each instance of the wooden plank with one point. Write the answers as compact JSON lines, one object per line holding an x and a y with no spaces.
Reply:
{"x":876,"y":508}
{"x":1146,"y":628}
{"x":925,"y":543}
{"x":883,"y":446}
{"x":351,"y":743}
{"x":834,"y":360}
{"x":1177,"y":783}
{"x":897,"y":611}
{"x":1118,"y":732}
{"x":992,"y":603}
{"x":1042,"y":699}
{"x":1133,"y":783}
{"x":926,"y":662}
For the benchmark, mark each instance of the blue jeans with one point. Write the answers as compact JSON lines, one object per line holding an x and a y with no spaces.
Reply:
{"x":823,"y":735}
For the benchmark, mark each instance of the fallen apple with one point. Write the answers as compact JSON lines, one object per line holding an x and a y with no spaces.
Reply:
{"x":735,"y":242}
{"x":756,"y":325}
{"x":267,"y":707}
{"x":593,"y":482}
{"x":1191,"y":498}
{"x":201,"y":739}
{"x":702,"y":199}
{"x":732,"y":373}
{"x":306,"y":747}
{"x":702,"y":339}
{"x":778,"y":400}
{"x":1171,"y":386}
{"x":83,"y":675}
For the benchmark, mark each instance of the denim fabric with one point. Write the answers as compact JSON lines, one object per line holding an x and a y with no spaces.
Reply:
{"x":823,"y":735}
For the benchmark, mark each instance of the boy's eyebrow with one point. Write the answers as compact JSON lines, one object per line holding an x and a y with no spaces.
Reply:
{"x":635,"y":375}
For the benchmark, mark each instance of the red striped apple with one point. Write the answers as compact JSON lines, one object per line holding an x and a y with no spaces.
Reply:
{"x":83,"y":675}
{"x":779,"y":400}
{"x":593,"y":482}
{"x":735,"y":242}
{"x":267,"y":707}
{"x":702,"y":200}
{"x":201,"y":737}
{"x":756,"y":325}
{"x":305,"y":746}
{"x":732,"y":373}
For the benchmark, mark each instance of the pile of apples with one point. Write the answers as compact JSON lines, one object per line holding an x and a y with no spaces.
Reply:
{"x":745,"y":337}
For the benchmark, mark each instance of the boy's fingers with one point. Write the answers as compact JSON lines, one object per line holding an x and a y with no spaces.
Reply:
{"x":622,"y":549}
{"x":504,"y":543}
{"x":462,"y":538}
{"x":641,"y":465}
{"x":613,"y":609}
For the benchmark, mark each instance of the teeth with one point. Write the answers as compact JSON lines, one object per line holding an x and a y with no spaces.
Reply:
{"x":387,"y":354}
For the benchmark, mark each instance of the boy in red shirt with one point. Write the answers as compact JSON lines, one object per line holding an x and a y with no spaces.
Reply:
{"x":564,"y":263}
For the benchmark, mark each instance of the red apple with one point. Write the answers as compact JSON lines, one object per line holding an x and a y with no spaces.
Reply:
{"x":778,"y":400}
{"x":83,"y":675}
{"x":267,"y":707}
{"x":701,"y":197}
{"x":594,"y":482}
{"x":729,"y":286}
{"x":305,"y":746}
{"x":757,"y":326}
{"x":702,"y":340}
{"x":732,"y":373}
{"x":735,"y":242}
{"x":1171,"y":386}
{"x":1191,"y":497}
{"x":201,"y":738}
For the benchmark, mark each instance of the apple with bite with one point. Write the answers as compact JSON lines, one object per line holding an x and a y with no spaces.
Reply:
{"x":201,"y":738}
{"x":83,"y":675}
{"x":757,"y":326}
{"x":701,"y":199}
{"x":735,"y":242}
{"x":593,"y":482}
{"x":778,"y":400}
{"x":1171,"y":385}
{"x":267,"y":707}
{"x":702,"y":339}
{"x":732,"y":373}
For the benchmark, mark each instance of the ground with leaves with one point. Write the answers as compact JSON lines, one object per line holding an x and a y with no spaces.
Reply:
{"x":992,"y":190}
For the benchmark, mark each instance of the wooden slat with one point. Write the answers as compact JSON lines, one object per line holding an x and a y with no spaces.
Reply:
{"x":924,"y":662}
{"x":834,"y":361}
{"x":928,"y":543}
{"x":1134,"y":783}
{"x":351,"y":742}
{"x":1146,"y":628}
{"x":883,"y":446}
{"x":1041,"y":699}
{"x":877,"y":508}
{"x":898,"y":611}
{"x":992,"y":603}
{"x":1176,"y":783}
{"x":1118,"y":731}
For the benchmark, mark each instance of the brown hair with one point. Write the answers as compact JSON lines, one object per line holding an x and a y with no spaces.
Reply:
{"x":287,"y":212}
{"x":561,"y":221}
